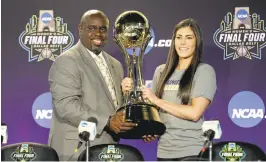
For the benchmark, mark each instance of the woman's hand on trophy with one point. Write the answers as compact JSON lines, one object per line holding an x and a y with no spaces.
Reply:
{"x":149,"y":138}
{"x":117,"y":123}
{"x":127,"y":84}
{"x":148,"y":94}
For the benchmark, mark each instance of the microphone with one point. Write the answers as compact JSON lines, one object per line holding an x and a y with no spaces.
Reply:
{"x":87,"y":133}
{"x":87,"y":129}
{"x":212,"y":130}
{"x":213,"y":125}
{"x":209,"y":134}
{"x":4,"y":134}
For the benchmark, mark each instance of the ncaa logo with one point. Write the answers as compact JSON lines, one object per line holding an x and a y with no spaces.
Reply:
{"x":84,"y":124}
{"x":42,"y":110}
{"x":46,"y":17}
{"x":246,"y":109}
{"x":242,"y":15}
{"x":148,"y":48}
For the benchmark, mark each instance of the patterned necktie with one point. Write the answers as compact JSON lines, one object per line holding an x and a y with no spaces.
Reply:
{"x":107,"y":77}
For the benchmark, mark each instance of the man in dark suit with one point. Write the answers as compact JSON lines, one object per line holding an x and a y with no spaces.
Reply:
{"x":85,"y":82}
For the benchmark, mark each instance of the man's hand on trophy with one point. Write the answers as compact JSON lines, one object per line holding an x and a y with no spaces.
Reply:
{"x":148,"y":94}
{"x":127,"y":84}
{"x":149,"y":138}
{"x":117,"y":123}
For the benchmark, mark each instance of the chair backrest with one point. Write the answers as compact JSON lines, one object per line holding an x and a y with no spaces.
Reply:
{"x":236,"y":151}
{"x":193,"y":158}
{"x":112,"y":152}
{"x":28,"y":151}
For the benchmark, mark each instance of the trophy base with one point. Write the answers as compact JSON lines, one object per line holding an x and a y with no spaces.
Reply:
{"x":147,"y":118}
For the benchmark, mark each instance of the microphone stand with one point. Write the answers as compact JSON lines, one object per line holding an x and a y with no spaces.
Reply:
{"x":208,"y":145}
{"x":210,"y":151}
{"x":87,"y":150}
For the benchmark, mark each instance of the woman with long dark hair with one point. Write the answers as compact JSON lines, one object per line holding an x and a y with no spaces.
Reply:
{"x":183,"y":89}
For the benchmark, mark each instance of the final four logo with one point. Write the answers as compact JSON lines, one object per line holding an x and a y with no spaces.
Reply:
{"x":111,"y":153}
{"x":232,"y":152}
{"x":45,"y":37}
{"x":241,"y":35}
{"x":23,"y":152}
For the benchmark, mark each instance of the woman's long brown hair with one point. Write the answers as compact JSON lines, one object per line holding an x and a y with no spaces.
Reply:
{"x":173,"y":60}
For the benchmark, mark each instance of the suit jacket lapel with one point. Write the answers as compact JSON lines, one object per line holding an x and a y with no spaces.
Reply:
{"x":90,"y":61}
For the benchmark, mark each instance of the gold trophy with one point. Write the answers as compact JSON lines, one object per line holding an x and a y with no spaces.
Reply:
{"x":132,"y":32}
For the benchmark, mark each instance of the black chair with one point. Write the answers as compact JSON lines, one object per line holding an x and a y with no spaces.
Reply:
{"x":194,"y":158}
{"x":240,"y":150}
{"x":28,"y":151}
{"x":112,"y":152}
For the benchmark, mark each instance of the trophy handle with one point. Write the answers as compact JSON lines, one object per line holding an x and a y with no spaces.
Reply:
{"x":126,"y":56}
{"x":129,"y":66}
{"x":140,"y":58}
